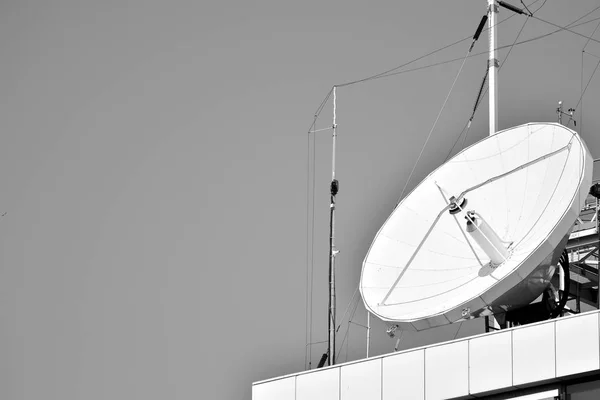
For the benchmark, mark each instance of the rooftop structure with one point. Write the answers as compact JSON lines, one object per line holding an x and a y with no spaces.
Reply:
{"x":545,"y":360}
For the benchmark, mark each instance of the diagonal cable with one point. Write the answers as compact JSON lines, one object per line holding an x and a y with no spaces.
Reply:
{"x":389,"y":71}
{"x":467,"y":126}
{"x":434,"y":125}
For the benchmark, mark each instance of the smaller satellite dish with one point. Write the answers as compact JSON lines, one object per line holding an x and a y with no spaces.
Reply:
{"x":483,"y":233}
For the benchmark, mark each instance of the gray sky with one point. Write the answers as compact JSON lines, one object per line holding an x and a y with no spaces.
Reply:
{"x":154,"y":162}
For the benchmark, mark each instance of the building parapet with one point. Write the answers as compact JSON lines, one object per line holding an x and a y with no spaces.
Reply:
{"x":476,"y":367}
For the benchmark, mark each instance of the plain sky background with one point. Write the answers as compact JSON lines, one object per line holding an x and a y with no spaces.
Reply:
{"x":153,"y":168}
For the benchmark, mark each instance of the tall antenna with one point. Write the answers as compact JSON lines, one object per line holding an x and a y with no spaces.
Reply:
{"x":493,"y":66}
{"x":334,"y":187}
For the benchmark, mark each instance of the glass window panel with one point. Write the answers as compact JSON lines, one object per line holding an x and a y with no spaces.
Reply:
{"x":584,"y":391}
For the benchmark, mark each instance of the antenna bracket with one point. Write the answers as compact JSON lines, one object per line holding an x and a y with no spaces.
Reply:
{"x":455,"y":208}
{"x":496,"y":63}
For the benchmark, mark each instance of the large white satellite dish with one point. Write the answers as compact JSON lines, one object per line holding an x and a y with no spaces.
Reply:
{"x":434,"y":262}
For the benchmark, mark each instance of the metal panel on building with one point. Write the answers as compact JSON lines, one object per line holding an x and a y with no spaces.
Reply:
{"x":490,"y":362}
{"x":361,"y":380}
{"x":404,"y":376}
{"x":447,"y":371}
{"x":320,"y":384}
{"x":534,"y":354}
{"x":577,"y":344}
{"x":280,"y":389}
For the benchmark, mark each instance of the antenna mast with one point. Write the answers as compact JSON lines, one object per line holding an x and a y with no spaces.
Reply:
{"x":493,"y":66}
{"x":334,"y":187}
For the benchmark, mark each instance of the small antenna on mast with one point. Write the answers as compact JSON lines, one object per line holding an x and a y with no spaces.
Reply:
{"x":570,"y":112}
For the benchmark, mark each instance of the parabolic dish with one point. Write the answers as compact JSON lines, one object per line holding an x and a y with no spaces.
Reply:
{"x":529,"y":183}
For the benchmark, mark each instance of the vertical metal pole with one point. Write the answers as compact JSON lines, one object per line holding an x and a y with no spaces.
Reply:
{"x":332,"y":251}
{"x":493,"y":66}
{"x":559,"y":111}
{"x":578,"y":300}
{"x":368,"y":332}
{"x":561,"y":278}
{"x":598,"y":258}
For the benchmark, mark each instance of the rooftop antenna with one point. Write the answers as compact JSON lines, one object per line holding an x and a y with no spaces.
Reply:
{"x":570,"y":112}
{"x":333,"y":188}
{"x":493,"y":65}
{"x":559,"y":111}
